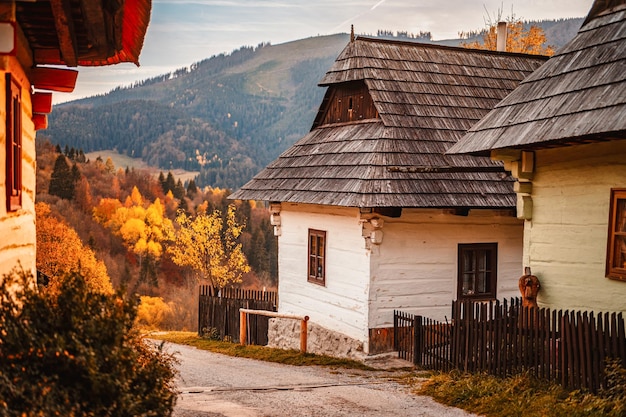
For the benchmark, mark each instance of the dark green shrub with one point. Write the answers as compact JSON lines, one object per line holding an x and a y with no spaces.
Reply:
{"x":77,"y":354}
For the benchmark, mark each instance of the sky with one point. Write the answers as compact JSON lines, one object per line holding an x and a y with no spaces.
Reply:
{"x":182,"y":32}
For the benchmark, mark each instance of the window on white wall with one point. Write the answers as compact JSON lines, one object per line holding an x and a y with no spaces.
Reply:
{"x":317,"y":257}
{"x":477,"y":271}
{"x":616,"y":249}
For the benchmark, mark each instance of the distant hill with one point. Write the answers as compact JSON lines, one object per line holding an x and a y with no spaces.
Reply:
{"x":225,"y":117}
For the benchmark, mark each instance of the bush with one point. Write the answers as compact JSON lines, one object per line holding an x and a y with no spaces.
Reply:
{"x":153,"y":313}
{"x":75,"y":353}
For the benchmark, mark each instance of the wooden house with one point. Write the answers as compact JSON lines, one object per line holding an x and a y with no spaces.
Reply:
{"x":38,"y":40}
{"x":370,"y":213}
{"x":562,"y":134}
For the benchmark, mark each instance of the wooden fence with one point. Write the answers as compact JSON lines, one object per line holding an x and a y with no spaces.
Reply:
{"x":218,"y":313}
{"x":567,"y":347}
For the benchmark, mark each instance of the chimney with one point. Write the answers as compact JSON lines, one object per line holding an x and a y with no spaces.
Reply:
{"x":351,"y":33}
{"x":501,"y":37}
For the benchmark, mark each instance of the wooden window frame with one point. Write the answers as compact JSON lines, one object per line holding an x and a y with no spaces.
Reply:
{"x":13,"y":143}
{"x":316,"y":260}
{"x":618,"y":201}
{"x":490,"y":270}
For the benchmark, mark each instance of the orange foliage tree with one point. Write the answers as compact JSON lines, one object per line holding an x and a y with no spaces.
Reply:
{"x":529,"y":40}
{"x":61,"y":252}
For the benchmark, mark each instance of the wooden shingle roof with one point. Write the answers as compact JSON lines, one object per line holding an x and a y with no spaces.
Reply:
{"x":426,"y":97}
{"x":579,"y":95}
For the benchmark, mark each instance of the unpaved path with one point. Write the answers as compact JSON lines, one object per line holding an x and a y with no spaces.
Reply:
{"x":222,"y":386}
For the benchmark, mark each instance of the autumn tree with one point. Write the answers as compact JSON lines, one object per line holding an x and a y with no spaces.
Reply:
{"x":530,"y":40}
{"x":61,"y":252}
{"x":143,"y":228}
{"x":210,"y":249}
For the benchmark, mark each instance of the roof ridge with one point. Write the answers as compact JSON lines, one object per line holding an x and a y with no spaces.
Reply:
{"x":444,"y":47}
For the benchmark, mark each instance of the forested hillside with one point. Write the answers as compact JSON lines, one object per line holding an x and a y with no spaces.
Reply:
{"x":227,"y":116}
{"x":120,"y":226}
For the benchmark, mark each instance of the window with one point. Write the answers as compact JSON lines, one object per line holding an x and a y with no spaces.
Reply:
{"x":477,"y":276}
{"x":14,"y":144}
{"x":317,"y":256}
{"x":616,"y":251}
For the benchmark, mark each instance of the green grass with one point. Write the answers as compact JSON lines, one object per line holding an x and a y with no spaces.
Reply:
{"x":122,"y":161}
{"x":520,"y":395}
{"x":287,"y":357}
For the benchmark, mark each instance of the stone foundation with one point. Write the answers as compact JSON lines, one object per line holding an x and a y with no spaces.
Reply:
{"x":285,"y":334}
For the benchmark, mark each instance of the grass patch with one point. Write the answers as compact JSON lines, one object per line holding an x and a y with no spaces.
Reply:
{"x":520,"y":395}
{"x":287,"y":357}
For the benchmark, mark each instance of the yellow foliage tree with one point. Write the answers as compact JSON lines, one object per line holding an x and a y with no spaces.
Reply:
{"x":518,"y":39}
{"x":143,"y":229}
{"x":60,"y":252}
{"x":201,"y":245}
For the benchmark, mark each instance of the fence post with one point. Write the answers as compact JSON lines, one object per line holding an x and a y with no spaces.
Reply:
{"x":303,"y":334}
{"x":242,"y":327}
{"x":418,"y":340}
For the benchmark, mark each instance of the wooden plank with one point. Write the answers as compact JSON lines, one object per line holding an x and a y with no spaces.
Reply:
{"x":585,"y":360}
{"x":41,"y":102}
{"x":418,"y":341}
{"x":64,"y":23}
{"x":40,"y":121}
{"x":54,"y":79}
{"x":565,"y":348}
{"x":577,"y":347}
{"x":595,"y":371}
{"x":621,"y":336}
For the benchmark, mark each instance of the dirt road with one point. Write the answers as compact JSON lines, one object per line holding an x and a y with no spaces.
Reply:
{"x":222,"y":386}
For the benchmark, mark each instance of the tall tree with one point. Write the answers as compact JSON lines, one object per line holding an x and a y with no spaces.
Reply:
{"x":170,"y":183}
{"x":201,"y":245}
{"x":192,"y":189}
{"x":529,"y":40}
{"x":179,"y":190}
{"x":143,"y":229}
{"x":62,"y":181}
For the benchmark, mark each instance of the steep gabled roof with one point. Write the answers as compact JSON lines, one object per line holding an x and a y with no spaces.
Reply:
{"x":426,"y":96}
{"x":579,"y":95}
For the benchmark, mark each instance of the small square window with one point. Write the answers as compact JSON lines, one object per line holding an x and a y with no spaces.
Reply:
{"x":477,"y":271}
{"x":317,"y":257}
{"x":616,"y":249}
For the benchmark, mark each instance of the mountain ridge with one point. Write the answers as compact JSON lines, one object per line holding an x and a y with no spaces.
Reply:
{"x":227,"y":116}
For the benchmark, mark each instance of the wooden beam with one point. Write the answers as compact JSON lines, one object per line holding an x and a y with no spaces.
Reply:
{"x":64,"y":23}
{"x":444,"y":169}
{"x":40,"y":121}
{"x":93,"y":14}
{"x":53,"y":79}
{"x":48,"y":56}
{"x":506,"y":154}
{"x":42,"y":102}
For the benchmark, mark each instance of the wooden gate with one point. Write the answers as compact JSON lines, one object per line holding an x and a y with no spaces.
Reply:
{"x":218,"y":313}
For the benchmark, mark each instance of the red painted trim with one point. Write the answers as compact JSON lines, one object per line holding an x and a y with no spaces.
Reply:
{"x":54,"y":79}
{"x":42,"y":102}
